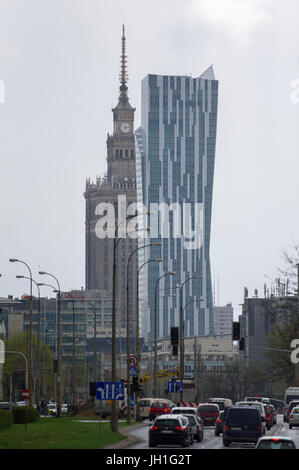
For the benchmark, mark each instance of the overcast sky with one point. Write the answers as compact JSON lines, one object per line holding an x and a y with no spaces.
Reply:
{"x":60,"y":61}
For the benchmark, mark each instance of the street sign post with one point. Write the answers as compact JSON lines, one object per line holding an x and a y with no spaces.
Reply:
{"x":110,"y":391}
{"x":25,"y":394}
{"x":133,"y":361}
{"x":133,"y":371}
{"x":175,"y":386}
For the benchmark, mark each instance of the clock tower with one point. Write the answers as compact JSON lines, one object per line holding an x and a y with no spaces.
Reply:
{"x":117,"y":188}
{"x":121,"y":144}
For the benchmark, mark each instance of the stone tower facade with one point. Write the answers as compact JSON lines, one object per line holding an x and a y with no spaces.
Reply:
{"x":117,"y":189}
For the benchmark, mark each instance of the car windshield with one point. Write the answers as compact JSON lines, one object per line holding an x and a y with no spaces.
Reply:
{"x":273,"y":444}
{"x":208,"y":408}
{"x":169,"y":423}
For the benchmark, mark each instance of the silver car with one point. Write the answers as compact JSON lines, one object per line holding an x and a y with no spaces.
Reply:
{"x":275,"y":442}
{"x":294,"y":417}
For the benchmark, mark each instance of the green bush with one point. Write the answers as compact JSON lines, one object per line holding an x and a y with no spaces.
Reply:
{"x":24,"y":414}
{"x":5,"y":419}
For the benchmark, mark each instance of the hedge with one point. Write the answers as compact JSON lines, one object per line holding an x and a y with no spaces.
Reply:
{"x":24,"y":414}
{"x":6,"y":419}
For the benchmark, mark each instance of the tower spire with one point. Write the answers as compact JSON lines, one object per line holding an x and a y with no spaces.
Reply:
{"x":123,"y":76}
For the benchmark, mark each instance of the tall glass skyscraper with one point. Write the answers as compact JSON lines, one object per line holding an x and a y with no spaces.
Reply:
{"x":175,"y":155}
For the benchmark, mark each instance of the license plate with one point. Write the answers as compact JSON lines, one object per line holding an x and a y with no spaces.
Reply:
{"x":166,"y":432}
{"x":236,"y":429}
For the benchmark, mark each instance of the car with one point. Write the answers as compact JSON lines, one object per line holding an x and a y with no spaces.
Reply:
{"x":144,"y":406}
{"x":275,"y":442}
{"x":291,"y":405}
{"x":242,"y":424}
{"x":259,"y":406}
{"x":274,"y":414}
{"x":6,"y":405}
{"x":159,"y":407}
{"x":294,"y":417}
{"x":64,"y":409}
{"x":208,"y":412}
{"x":52,"y":409}
{"x":257,"y":398}
{"x":221,"y":402}
{"x":196,"y":426}
{"x":220,"y":421}
{"x":183,"y":410}
{"x":219,"y":424}
{"x":170,"y":429}
{"x":269,"y":415}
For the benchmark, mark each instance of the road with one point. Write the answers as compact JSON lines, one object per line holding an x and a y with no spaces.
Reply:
{"x":211,"y":441}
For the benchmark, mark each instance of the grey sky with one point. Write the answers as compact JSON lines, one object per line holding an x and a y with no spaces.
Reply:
{"x":59,"y":60}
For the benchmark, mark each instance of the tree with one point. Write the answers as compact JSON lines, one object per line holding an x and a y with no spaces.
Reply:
{"x":14,"y":363}
{"x":279,"y":353}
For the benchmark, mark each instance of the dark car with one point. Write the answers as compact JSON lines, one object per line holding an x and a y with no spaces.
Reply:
{"x":291,"y":405}
{"x":196,"y":426}
{"x":220,"y":421}
{"x":242,"y":424}
{"x":160,"y":407}
{"x":208,"y":412}
{"x":170,"y":429}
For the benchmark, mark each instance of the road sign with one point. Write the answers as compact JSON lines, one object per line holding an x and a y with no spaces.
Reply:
{"x":25,"y":394}
{"x":110,"y":391}
{"x":175,"y":386}
{"x":133,"y":371}
{"x":133,"y":361}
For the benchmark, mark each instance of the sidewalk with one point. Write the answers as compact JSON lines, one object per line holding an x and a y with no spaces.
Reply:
{"x":129,"y":439}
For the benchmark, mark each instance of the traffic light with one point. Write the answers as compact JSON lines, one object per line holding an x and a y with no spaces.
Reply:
{"x":236,"y":331}
{"x":175,"y":350}
{"x":242,"y":344}
{"x":135,"y":384}
{"x":92,"y":389}
{"x":174,"y":335}
{"x":55,"y":366}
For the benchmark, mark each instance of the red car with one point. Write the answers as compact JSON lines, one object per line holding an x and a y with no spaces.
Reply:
{"x":269,"y":410}
{"x":160,"y":407}
{"x":209,"y":413}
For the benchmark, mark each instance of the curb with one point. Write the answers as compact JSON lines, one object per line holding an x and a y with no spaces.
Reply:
{"x":129,"y":439}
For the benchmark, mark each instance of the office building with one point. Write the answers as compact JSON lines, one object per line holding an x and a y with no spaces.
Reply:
{"x":175,"y":155}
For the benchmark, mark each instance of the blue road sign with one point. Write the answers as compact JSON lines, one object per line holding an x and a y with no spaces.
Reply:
{"x":110,"y":391}
{"x":133,"y":371}
{"x":175,"y":386}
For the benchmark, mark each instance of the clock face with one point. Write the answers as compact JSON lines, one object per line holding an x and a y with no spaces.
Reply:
{"x":125,"y":127}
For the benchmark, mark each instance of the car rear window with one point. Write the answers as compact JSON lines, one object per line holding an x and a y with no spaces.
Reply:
{"x":276,"y":445}
{"x":208,"y":408}
{"x":169,"y":423}
{"x":191,"y":419}
{"x":240,"y":416}
{"x":144,"y":403}
{"x":220,"y":404}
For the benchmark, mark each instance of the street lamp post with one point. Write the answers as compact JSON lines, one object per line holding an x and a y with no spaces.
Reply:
{"x":138,"y":352}
{"x":182,"y":359}
{"x":170,"y":273}
{"x":128,"y":320}
{"x":93,"y":305}
{"x":38,"y":337}
{"x":58,"y":376}
{"x":30,"y":385}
